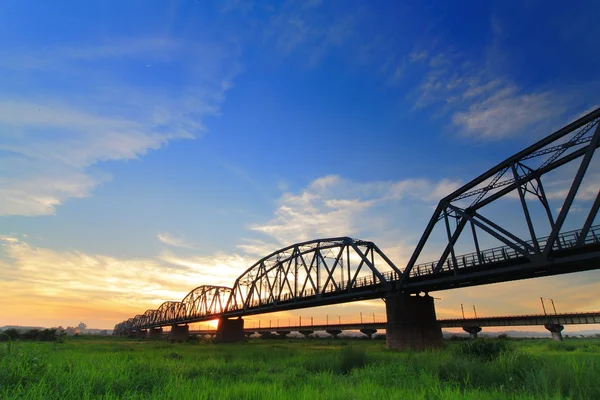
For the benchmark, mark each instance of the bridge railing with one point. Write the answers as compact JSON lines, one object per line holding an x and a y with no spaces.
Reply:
{"x":365,"y":281}
{"x":565,"y":240}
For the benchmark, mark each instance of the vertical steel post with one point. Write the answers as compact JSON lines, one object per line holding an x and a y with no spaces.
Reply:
{"x":544,"y":201}
{"x":348,"y":261}
{"x":543,"y":306}
{"x":552,"y":301}
{"x":295,"y":276}
{"x":573,"y":190}
{"x":525,"y":208}
{"x":476,"y":242}
{"x":318,"y":271}
{"x":589,"y":220}
{"x":452,"y":253}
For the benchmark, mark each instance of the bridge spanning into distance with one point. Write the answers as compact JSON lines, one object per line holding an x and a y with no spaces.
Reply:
{"x":532,"y":215}
{"x":552,"y":322}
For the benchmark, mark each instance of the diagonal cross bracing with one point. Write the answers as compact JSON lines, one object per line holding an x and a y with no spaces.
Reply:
{"x":337,"y":270}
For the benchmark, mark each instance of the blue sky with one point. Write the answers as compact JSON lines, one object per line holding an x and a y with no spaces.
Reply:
{"x":152,"y":146}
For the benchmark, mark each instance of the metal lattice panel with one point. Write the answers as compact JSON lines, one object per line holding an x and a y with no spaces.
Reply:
{"x":335,"y":270}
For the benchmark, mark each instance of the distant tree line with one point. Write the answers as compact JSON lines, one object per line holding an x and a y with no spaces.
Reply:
{"x":43,"y":335}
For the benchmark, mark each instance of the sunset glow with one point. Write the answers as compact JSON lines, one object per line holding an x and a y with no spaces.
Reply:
{"x":176,"y":145}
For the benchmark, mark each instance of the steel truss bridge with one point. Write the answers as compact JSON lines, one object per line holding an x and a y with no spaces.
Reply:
{"x":495,"y":321}
{"x":539,"y":192}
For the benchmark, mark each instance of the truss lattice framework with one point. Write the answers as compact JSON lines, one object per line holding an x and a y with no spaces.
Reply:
{"x":311,"y":269}
{"x":344,"y":266}
{"x":201,"y":303}
{"x":204,"y":301}
{"x":521,"y":175}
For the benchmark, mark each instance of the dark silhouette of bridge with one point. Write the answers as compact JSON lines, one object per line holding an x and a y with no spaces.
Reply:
{"x":337,"y":270}
{"x":553,"y":323}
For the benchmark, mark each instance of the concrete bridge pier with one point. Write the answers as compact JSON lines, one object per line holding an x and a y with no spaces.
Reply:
{"x":141,"y":333}
{"x":306,"y":333}
{"x":369,"y":332}
{"x":283,"y":334}
{"x":155,"y":333}
{"x":411,"y":323}
{"x":334,"y":332}
{"x":555,"y":330}
{"x":230,"y":330}
{"x":180,"y":333}
{"x":472,"y":330}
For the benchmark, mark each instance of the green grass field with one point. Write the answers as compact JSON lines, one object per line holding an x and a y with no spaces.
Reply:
{"x":116,"y":368}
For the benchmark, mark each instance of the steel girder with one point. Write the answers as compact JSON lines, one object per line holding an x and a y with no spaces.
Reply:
{"x":310,"y":270}
{"x":517,"y":177}
{"x":335,"y":270}
{"x":167,"y":313}
{"x":203,"y":302}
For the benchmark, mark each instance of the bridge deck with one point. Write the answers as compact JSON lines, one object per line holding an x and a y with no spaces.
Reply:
{"x":511,"y":320}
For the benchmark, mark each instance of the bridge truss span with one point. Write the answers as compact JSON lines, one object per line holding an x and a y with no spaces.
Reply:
{"x":534,"y":212}
{"x":532,"y":215}
{"x":204,"y":302}
{"x":319,"y":271}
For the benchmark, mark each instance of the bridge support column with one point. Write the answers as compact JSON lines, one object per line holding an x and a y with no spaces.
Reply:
{"x":155,"y":333}
{"x":411,"y":323}
{"x":141,"y":333}
{"x":334,"y":332}
{"x":230,"y":330}
{"x":472,"y":330}
{"x":555,"y":330}
{"x":306,"y":333}
{"x":283,"y":334}
{"x":266,"y":335}
{"x":180,"y":333}
{"x":369,"y":332}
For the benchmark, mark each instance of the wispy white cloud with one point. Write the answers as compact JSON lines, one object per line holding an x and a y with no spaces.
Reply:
{"x":39,"y":280}
{"x":485,"y":105}
{"x":51,"y":137}
{"x":505,"y":112}
{"x":63,"y":56}
{"x":294,"y":27}
{"x":215,"y":269}
{"x":174,"y":240}
{"x":418,"y":56}
{"x":333,"y":206}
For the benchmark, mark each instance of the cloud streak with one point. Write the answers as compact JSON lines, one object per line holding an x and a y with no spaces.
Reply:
{"x":52,"y":137}
{"x":174,"y":240}
{"x":38,"y":280}
{"x":333,"y":206}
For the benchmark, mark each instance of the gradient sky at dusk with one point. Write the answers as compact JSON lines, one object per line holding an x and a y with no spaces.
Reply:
{"x":149,"y":147}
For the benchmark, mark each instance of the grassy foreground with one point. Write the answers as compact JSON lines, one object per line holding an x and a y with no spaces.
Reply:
{"x":115,"y":368}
